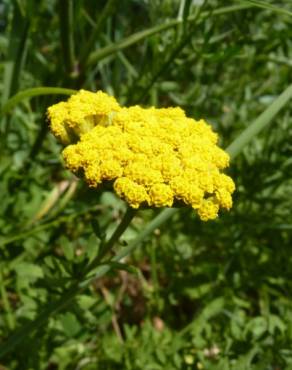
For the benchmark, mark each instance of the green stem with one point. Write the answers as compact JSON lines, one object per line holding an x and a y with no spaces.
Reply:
{"x":67,"y":33}
{"x":17,"y":49}
{"x":5,"y":303}
{"x":53,"y":308}
{"x":128,"y":217}
{"x":159,"y":220}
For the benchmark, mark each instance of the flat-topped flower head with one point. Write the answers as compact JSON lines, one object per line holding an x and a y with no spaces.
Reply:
{"x":150,"y":157}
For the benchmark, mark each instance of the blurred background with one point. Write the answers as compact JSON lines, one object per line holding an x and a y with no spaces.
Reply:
{"x":215,"y":295}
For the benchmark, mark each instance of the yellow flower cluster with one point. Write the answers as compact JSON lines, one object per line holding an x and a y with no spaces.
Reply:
{"x":151,"y":157}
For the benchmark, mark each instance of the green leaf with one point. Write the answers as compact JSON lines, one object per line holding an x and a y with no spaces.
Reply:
{"x":275,"y":323}
{"x":70,"y":324}
{"x":244,"y":362}
{"x":86,"y":301}
{"x":93,"y":247}
{"x":67,"y":248}
{"x":198,"y":291}
{"x":29,"y":271}
{"x":257,"y":326}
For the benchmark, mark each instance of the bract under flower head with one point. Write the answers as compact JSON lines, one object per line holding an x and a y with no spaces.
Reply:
{"x":151,"y":157}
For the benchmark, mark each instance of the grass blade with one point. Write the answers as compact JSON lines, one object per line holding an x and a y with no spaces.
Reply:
{"x":35,"y":91}
{"x":259,"y":124}
{"x":261,"y":4}
{"x":16,"y":53}
{"x":142,"y":35}
{"x":109,"y":8}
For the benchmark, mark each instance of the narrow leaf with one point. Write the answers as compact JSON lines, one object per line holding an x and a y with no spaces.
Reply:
{"x":35,"y":91}
{"x":142,"y":35}
{"x":259,"y":124}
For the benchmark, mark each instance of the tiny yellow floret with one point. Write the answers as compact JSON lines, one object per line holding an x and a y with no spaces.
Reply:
{"x":150,"y":157}
{"x":161,"y":195}
{"x":83,"y":111}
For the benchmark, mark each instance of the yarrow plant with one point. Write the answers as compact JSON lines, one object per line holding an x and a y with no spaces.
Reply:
{"x":150,"y":157}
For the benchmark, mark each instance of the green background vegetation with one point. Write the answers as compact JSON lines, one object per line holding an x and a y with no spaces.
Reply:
{"x":194,"y":295}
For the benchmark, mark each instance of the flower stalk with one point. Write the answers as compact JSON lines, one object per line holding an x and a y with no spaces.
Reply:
{"x":123,"y":225}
